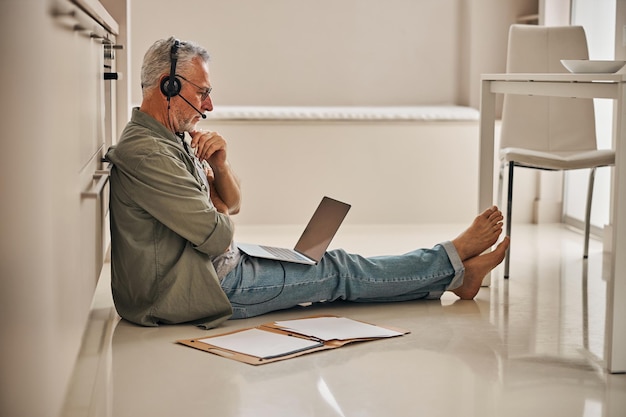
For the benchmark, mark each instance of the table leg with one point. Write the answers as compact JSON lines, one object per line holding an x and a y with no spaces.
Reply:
{"x":486,"y":152}
{"x":486,"y":155}
{"x":615,"y":335}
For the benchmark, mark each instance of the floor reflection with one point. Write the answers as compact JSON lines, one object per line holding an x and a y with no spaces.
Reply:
{"x":530,"y":345}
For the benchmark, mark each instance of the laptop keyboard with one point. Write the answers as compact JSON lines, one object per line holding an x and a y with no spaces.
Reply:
{"x":284,"y":253}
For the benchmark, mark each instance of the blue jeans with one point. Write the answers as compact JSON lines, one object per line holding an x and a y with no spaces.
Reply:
{"x":257,"y":286}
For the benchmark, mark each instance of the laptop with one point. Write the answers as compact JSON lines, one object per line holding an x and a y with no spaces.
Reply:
{"x":313,"y":242}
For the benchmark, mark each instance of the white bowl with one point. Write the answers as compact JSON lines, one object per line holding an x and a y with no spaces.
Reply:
{"x":582,"y":66}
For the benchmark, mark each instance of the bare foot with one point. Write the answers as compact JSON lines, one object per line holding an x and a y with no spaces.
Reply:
{"x":482,"y":234}
{"x":477,"y":267}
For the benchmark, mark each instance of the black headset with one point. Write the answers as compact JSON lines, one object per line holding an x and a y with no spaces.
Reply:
{"x":170,"y":86}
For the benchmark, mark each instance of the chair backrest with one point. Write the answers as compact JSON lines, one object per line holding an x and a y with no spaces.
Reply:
{"x":546,"y":123}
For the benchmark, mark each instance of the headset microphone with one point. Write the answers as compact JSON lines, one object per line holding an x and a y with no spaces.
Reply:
{"x":192,"y":106}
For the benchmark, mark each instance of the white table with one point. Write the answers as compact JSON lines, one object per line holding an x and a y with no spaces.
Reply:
{"x":611,"y":86}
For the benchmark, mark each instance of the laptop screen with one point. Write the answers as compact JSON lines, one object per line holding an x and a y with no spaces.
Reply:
{"x":322,"y":228}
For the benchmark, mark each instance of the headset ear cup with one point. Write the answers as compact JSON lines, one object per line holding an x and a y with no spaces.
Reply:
{"x":170,"y":89}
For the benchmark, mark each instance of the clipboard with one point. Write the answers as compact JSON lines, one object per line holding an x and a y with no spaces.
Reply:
{"x":281,"y":340}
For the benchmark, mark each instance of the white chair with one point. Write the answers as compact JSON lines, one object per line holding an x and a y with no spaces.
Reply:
{"x":548,"y":133}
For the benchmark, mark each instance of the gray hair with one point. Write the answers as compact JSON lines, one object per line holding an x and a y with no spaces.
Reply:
{"x":157,"y":61}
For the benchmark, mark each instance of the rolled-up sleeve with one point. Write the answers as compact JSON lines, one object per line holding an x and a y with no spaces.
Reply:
{"x":170,"y":192}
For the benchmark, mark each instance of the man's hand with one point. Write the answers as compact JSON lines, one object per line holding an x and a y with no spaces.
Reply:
{"x":209,"y":146}
{"x":224,"y":184}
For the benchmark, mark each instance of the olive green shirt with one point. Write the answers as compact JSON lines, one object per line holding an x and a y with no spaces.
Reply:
{"x":164,"y":231}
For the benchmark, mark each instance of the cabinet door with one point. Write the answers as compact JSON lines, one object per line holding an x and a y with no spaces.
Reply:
{"x":50,"y":139}
{"x":90,"y":83}
{"x":93,"y":207}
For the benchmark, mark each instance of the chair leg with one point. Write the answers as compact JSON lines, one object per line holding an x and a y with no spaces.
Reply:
{"x":509,"y":219}
{"x":592,"y":176}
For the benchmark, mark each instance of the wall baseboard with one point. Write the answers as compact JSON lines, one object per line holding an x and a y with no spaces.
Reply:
{"x":596,"y":231}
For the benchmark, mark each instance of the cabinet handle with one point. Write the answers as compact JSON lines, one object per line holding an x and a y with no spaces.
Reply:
{"x":60,"y":13}
{"x":110,"y":48}
{"x":107,"y":169}
{"x":102,"y":177}
{"x":64,"y":15}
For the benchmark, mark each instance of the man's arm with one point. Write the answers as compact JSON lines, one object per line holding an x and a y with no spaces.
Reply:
{"x":225,"y":186}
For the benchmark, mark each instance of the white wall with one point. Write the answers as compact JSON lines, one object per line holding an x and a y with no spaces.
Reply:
{"x":485,"y":41}
{"x":327,"y":52}
{"x":323,"y":52}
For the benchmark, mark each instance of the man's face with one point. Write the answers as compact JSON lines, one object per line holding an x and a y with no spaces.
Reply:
{"x":195,"y":88}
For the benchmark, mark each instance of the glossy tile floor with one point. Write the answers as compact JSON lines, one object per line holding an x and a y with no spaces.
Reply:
{"x":529,"y":346}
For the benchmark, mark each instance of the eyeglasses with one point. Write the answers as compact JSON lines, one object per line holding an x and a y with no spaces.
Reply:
{"x":205,"y":91}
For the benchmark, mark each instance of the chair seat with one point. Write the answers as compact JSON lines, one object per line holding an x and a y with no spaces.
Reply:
{"x":562,"y":160}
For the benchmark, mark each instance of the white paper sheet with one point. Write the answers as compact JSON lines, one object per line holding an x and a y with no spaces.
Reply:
{"x":336,"y":328}
{"x":262,"y":344}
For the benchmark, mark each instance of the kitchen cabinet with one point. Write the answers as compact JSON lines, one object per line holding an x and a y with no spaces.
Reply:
{"x":54,"y":190}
